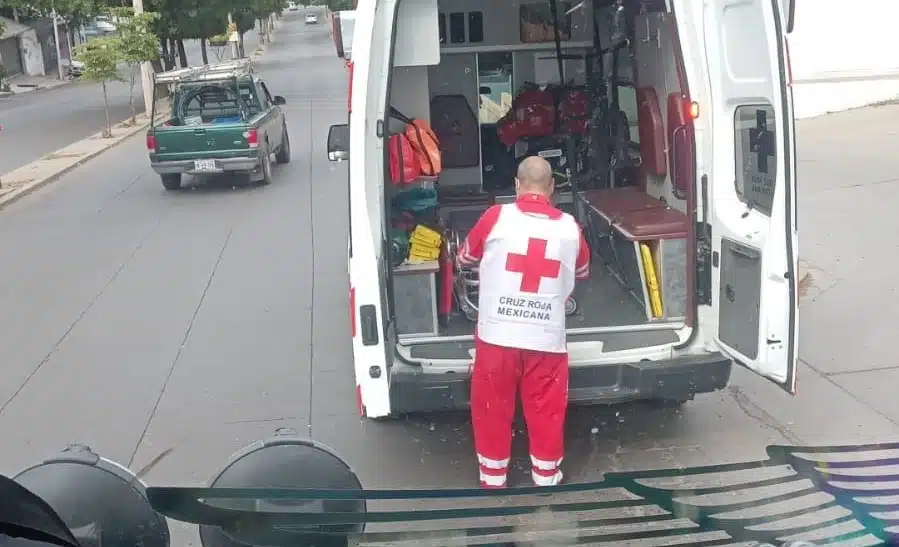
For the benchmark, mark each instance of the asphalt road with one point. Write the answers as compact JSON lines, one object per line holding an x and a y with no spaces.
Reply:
{"x":139,"y":321}
{"x":40,"y":122}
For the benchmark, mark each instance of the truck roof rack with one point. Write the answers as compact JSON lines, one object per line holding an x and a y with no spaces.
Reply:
{"x":217,"y":71}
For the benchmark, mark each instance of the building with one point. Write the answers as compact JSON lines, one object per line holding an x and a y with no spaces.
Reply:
{"x":20,"y":50}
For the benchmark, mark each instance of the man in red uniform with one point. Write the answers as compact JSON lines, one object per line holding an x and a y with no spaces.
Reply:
{"x":529,"y":254}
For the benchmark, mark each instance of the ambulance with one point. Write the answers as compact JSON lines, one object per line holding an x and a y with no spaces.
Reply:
{"x":669,"y":125}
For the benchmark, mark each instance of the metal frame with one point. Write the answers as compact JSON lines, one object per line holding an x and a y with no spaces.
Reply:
{"x":230,"y":69}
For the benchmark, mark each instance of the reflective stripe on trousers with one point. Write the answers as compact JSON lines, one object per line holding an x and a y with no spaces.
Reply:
{"x":492,"y":473}
{"x":546,"y":472}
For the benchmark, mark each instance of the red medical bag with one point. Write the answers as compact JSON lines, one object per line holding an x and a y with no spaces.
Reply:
{"x":574,"y":111}
{"x":403,"y":160}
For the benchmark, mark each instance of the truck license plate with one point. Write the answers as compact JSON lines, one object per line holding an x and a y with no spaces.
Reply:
{"x":204,"y":165}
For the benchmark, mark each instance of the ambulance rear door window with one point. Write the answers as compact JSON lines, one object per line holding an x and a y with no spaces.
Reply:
{"x":756,"y":155}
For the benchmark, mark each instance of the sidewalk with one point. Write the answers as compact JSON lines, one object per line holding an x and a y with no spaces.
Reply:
{"x":24,"y":84}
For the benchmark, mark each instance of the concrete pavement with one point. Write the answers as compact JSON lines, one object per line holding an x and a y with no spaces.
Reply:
{"x":139,"y":321}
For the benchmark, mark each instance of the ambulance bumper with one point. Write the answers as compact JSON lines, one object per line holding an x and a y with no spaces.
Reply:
{"x":413,"y":391}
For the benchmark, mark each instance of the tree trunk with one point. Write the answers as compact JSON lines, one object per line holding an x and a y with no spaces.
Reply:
{"x":173,"y":49}
{"x":168,"y":61}
{"x":240,"y":47}
{"x":132,"y":81}
{"x":261,"y":24}
{"x":106,"y":105}
{"x":203,"y":51}
{"x":182,"y":54}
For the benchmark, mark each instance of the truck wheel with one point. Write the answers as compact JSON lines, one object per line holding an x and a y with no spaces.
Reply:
{"x":171,"y":181}
{"x":283,"y":155}
{"x":266,"y":166}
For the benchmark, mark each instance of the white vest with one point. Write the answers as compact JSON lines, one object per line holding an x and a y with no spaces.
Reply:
{"x":526,"y":275}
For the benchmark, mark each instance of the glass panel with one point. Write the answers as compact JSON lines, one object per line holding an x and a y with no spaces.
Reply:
{"x":627,"y":103}
{"x":756,"y":155}
{"x":495,"y":86}
{"x":475,"y":27}
{"x":457,"y":27}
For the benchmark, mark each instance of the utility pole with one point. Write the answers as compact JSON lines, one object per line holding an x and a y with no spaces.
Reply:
{"x":59,"y":69}
{"x":146,"y":70}
{"x":233,"y":37}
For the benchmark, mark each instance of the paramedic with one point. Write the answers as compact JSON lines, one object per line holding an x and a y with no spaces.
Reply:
{"x":529,"y":255}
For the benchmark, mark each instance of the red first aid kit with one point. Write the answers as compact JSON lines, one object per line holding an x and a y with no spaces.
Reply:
{"x":535,"y":111}
{"x":574,"y":110}
{"x":403,"y":160}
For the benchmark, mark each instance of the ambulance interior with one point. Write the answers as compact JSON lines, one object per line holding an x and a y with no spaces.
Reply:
{"x":619,"y":139}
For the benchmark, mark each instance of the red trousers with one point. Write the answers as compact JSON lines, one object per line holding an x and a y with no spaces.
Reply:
{"x":542,"y":379}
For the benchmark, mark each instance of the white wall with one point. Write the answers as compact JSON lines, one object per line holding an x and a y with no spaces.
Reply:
{"x":835,"y":42}
{"x":32,"y":54}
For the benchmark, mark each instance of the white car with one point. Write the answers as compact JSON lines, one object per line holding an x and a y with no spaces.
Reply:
{"x":292,"y":6}
{"x":311,"y":19}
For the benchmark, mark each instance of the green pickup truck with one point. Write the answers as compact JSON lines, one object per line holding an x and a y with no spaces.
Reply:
{"x":224,"y":120}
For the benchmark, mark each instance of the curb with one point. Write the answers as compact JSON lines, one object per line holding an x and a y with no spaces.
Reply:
{"x":30,"y":186}
{"x":37,"y":89}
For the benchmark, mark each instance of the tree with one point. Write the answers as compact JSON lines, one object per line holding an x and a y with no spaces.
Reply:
{"x":101,"y":57}
{"x":137,"y":43}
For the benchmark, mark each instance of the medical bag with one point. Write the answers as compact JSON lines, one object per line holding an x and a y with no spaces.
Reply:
{"x":574,"y":111}
{"x":402,"y":160}
{"x":424,"y":143}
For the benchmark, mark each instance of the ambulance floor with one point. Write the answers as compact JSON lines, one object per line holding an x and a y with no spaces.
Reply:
{"x":602,"y":302}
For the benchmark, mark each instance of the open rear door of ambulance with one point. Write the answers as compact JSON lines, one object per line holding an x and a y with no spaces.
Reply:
{"x":752,"y":187}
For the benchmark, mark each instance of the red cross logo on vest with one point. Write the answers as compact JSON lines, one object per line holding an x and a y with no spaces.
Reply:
{"x":533,"y":266}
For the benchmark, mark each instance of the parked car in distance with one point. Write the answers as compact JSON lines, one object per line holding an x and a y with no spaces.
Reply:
{"x":311,"y":19}
{"x":293,"y":6}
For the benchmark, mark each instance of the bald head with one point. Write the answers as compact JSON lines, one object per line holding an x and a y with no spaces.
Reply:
{"x":535,"y":175}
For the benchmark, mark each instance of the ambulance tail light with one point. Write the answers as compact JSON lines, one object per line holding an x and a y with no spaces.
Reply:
{"x":252,"y":137}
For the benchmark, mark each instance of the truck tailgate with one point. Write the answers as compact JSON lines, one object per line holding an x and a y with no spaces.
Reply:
{"x":211,"y":141}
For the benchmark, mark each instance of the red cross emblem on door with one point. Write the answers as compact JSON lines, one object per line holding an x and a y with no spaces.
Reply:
{"x":533,"y":266}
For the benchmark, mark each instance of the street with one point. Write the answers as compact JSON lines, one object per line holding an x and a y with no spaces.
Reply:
{"x":139,"y":321}
{"x":40,"y":122}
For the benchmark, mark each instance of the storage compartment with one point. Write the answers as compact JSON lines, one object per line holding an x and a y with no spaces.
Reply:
{"x":499,"y":95}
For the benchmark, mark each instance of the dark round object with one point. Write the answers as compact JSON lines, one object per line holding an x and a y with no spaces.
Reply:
{"x":286,"y":461}
{"x":103,"y":503}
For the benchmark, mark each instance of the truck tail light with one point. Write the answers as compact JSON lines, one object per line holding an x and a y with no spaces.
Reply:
{"x":151,"y":143}
{"x":252,"y":137}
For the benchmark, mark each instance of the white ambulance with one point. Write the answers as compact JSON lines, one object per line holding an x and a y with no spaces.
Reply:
{"x":683,"y":178}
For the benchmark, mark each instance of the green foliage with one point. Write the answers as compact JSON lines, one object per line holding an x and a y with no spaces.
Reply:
{"x":101,"y":57}
{"x":340,"y":5}
{"x":135,"y":30}
{"x":75,"y":12}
